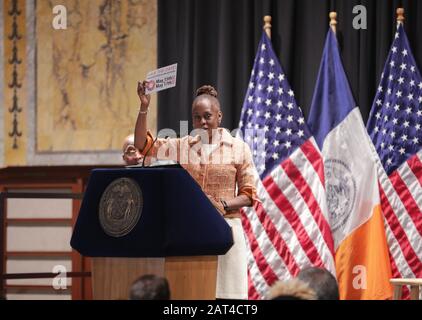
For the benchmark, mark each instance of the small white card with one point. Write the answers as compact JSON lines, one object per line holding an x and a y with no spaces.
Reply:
{"x":161,"y":79}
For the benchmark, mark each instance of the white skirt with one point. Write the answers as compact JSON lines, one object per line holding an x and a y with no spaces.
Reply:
{"x":232,"y":270}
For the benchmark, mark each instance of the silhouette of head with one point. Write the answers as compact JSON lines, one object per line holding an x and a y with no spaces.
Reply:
{"x":292,"y":289}
{"x":150,"y":287}
{"x":321,"y":281}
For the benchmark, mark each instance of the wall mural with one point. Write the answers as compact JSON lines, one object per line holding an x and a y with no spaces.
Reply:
{"x":86,"y":75}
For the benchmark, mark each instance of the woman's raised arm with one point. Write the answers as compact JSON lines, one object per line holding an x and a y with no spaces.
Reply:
{"x":141,"y":121}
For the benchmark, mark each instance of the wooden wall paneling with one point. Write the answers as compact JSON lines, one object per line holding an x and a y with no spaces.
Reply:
{"x":74,"y":178}
{"x":32,"y":187}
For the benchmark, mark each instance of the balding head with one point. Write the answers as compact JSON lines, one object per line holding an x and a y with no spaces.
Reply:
{"x":129,"y":140}
{"x":131,"y":154}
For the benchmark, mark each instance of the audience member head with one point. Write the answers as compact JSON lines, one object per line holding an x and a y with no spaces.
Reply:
{"x":150,"y":287}
{"x":131,"y":154}
{"x":321,"y":281}
{"x":293,"y":289}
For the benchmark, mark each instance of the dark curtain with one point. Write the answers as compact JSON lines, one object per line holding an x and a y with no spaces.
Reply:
{"x":215,"y":42}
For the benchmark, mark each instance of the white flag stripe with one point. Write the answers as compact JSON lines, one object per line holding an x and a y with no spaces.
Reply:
{"x":398,"y":207}
{"x":411,"y":234}
{"x":411,"y":183}
{"x":396,"y":251}
{"x":419,"y":156}
{"x":319,"y":153}
{"x":270,"y":252}
{"x":267,"y":248}
{"x":283,"y":226}
{"x":397,"y":254}
{"x":296,"y":201}
{"x":309,"y":174}
{"x":318,"y":194}
{"x":258,"y":281}
{"x":406,"y":223}
{"x":305,"y":216}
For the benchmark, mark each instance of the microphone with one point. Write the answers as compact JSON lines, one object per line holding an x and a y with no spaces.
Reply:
{"x":146,"y":153}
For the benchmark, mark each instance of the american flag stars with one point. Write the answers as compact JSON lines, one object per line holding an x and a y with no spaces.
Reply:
{"x":270,"y":113}
{"x":400,"y":87}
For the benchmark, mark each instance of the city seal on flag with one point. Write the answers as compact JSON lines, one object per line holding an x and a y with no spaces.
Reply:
{"x":120,"y":207}
{"x":341,"y":192}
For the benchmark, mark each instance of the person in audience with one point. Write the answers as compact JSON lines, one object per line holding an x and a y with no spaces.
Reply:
{"x":293,"y":289}
{"x":150,"y":287}
{"x":321,"y":281}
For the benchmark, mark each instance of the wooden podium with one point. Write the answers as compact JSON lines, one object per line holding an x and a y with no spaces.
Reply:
{"x":179,"y":233}
{"x":190,"y":278}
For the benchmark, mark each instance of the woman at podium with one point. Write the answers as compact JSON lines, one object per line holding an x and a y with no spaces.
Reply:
{"x":221,"y":164}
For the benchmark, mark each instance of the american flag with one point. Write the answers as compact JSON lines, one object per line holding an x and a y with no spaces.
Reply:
{"x":288,"y":229}
{"x":395,"y":127}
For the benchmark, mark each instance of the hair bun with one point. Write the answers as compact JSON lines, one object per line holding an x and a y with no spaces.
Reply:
{"x":207,"y":89}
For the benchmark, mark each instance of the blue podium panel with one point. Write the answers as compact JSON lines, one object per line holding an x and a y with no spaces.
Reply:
{"x":176,"y":219}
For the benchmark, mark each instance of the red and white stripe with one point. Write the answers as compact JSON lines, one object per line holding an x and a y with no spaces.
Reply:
{"x":401,"y":201}
{"x":288,"y":230}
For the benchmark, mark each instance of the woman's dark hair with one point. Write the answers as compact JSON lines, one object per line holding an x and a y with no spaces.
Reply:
{"x":207,"y":89}
{"x":207,"y":92}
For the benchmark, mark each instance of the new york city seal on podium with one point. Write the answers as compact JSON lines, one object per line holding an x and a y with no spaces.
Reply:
{"x":120,"y":207}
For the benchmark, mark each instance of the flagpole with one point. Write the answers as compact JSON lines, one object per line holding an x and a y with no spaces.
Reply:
{"x":267,"y":25}
{"x":400,"y":15}
{"x":333,"y":21}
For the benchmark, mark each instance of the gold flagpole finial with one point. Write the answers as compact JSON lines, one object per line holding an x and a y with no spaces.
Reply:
{"x":267,"y":25}
{"x":400,"y":15}
{"x":333,"y":20}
